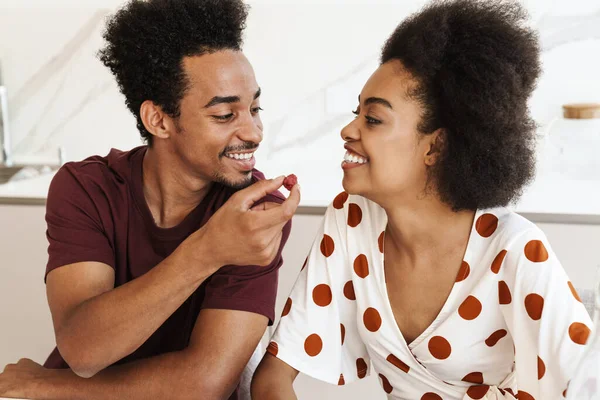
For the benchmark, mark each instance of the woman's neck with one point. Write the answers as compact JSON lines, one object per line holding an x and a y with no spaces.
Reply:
{"x":427,"y":228}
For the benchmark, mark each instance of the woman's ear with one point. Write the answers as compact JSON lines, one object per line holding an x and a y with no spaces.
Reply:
{"x":436,"y":145}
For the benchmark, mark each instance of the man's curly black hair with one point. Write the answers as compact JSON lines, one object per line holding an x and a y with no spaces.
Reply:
{"x":476,"y":64}
{"x":148,"y":39}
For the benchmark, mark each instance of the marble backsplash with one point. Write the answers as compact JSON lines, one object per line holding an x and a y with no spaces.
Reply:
{"x":311,"y":61}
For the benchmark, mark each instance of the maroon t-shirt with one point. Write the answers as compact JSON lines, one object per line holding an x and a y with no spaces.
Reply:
{"x":96,"y":211}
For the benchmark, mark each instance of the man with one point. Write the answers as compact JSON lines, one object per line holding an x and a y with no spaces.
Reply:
{"x":163,"y":260}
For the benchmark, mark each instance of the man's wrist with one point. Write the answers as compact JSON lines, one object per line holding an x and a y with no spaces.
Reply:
{"x":53,"y":384}
{"x":196,"y":256}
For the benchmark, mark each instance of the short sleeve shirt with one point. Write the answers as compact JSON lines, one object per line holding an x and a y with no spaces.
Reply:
{"x":96,"y":211}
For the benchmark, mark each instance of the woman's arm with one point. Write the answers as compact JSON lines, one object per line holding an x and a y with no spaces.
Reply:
{"x":273,"y":380}
{"x":544,"y":315}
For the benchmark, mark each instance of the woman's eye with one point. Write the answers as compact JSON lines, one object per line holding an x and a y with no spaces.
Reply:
{"x":372,"y":121}
{"x":256,"y":110}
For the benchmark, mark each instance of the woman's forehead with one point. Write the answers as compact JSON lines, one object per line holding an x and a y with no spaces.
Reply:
{"x":391,"y":81}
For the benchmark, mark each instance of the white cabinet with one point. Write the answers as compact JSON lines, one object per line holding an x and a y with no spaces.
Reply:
{"x":25,"y":322}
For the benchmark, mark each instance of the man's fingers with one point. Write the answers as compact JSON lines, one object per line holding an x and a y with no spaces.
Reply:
{"x":277,"y":242}
{"x":286,"y":210}
{"x":257,"y":191}
{"x":267,"y":205}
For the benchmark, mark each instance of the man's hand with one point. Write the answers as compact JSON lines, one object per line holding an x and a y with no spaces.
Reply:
{"x":240,"y":233}
{"x":24,"y":380}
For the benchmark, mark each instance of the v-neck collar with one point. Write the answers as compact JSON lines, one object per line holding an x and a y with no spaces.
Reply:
{"x":447,"y":308}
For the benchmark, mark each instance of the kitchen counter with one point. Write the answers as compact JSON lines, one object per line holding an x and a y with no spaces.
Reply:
{"x":549,"y":201}
{"x":31,"y":191}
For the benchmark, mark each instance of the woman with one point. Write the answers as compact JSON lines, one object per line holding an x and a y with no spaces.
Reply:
{"x":418,"y":267}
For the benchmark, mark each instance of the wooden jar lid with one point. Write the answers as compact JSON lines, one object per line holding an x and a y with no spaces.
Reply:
{"x":581,"y":111}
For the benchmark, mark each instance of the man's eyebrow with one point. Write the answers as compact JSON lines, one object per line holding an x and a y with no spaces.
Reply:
{"x":228,"y":99}
{"x":222,"y":99}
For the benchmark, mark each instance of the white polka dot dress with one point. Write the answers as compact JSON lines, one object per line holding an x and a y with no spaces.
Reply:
{"x":512,"y":326}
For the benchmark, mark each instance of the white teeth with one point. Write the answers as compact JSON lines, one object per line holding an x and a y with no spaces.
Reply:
{"x":246,"y":156}
{"x":354,"y":158}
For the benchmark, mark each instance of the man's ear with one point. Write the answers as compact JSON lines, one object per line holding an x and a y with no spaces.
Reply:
{"x":155,"y":120}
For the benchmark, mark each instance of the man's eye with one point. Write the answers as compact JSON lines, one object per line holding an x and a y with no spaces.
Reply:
{"x":223,"y":117}
{"x":256,"y":110}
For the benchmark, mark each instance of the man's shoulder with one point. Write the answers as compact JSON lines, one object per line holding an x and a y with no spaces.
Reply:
{"x":94,"y":175}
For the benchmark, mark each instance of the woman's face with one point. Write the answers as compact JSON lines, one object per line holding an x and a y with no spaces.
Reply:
{"x":386,"y":156}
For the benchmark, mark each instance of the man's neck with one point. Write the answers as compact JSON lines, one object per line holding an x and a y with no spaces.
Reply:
{"x":170,"y":191}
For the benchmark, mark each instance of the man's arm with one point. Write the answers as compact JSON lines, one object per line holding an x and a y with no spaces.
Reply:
{"x":209,"y":368}
{"x":273,"y":380}
{"x":96,"y":324}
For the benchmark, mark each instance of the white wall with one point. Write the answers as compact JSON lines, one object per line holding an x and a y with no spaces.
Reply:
{"x":311,"y":59}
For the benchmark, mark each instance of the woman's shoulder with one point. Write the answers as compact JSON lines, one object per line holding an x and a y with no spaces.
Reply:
{"x":505,"y":225}
{"x":518,"y":242}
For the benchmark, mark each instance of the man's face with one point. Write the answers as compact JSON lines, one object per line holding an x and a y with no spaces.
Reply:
{"x":219,"y":127}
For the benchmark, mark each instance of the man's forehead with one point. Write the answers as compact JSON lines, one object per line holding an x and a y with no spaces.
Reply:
{"x":221,"y":73}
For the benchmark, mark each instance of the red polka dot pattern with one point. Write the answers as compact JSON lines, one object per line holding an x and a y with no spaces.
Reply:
{"x":354,"y":215}
{"x":495,"y":337}
{"x":579,"y":332}
{"x":439,"y":347}
{"x":497,"y":263}
{"x":477,"y":392}
{"x":273,"y":348}
{"x":349,"y":291}
{"x":361,"y":266}
{"x":340,"y":200}
{"x":313,"y":345}
{"x":470,"y":308}
{"x":361,"y":368}
{"x":474,"y":377}
{"x":327,"y":246}
{"x":504,"y":293}
{"x":534,"y":305}
{"x":395,"y":361}
{"x":287,"y":307}
{"x":322,"y":295}
{"x":535,"y":251}
{"x":385,"y":383}
{"x":372,"y":319}
{"x":486,"y":225}
{"x":463,"y":272}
